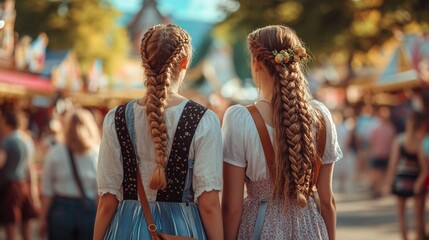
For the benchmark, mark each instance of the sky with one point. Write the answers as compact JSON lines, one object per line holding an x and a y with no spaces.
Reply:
{"x":204,"y":10}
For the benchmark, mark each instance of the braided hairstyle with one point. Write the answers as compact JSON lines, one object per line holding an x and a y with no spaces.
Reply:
{"x":163,"y":47}
{"x":293,"y":114}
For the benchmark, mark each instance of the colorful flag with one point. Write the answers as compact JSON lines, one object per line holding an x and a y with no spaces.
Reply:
{"x":94,"y":76}
{"x":37,"y":53}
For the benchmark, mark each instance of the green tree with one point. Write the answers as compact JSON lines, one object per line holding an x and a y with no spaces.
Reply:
{"x":327,"y":26}
{"x":88,"y":27}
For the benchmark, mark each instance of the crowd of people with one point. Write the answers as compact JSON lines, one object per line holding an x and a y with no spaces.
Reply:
{"x":68,"y":151}
{"x":158,"y":164}
{"x":386,"y":152}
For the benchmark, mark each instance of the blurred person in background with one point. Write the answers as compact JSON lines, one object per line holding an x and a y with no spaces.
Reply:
{"x":62,"y":107}
{"x":53,"y":135}
{"x":27,"y":137}
{"x":406,"y":172}
{"x":365,"y":123}
{"x":425,"y":143}
{"x":16,"y":199}
{"x":380,"y":143}
{"x":177,"y":171}
{"x":69,"y":187}
{"x":99,"y":118}
{"x":280,"y":202}
{"x":344,"y":171}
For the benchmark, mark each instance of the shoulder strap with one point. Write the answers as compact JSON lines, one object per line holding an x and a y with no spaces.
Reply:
{"x":177,"y":167}
{"x":145,"y":207}
{"x":268,"y":146}
{"x":264,"y":138}
{"x":76,"y":175}
{"x":129,"y":163}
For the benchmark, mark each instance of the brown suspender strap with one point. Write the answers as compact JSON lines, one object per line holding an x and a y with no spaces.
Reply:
{"x":145,"y":207}
{"x":153,"y":231}
{"x":268,"y":146}
{"x":264,"y":137}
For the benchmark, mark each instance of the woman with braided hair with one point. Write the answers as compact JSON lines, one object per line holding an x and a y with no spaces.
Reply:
{"x":172,"y":144}
{"x":276,"y":148}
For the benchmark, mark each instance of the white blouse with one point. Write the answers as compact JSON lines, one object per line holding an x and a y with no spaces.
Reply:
{"x":57,"y":177}
{"x":206,"y":150}
{"x":242,"y":147}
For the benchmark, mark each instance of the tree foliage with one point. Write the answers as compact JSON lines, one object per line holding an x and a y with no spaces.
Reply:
{"x":87,"y":27}
{"x":328,"y":26}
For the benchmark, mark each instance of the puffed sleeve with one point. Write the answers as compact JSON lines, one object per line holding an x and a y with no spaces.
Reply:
{"x":208,"y":155}
{"x":233,"y":136}
{"x":109,"y":166}
{"x":333,"y":151}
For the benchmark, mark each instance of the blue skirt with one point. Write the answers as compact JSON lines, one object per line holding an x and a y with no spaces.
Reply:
{"x":181,"y":219}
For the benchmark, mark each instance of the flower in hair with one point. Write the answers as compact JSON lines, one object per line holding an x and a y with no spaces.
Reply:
{"x":289,"y":55}
{"x":281,"y":57}
{"x":301,"y":52}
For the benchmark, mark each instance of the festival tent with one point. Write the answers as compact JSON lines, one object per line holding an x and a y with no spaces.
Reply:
{"x":62,"y":67}
{"x":407,"y":67}
{"x":13,"y":83}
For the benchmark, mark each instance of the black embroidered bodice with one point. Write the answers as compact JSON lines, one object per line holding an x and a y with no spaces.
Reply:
{"x":177,"y":167}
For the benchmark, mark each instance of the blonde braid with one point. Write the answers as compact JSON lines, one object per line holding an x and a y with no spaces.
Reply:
{"x":309,"y":118}
{"x":293,"y":115}
{"x":162,"y":47}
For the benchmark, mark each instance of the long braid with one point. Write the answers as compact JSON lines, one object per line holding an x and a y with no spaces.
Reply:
{"x":162,"y":48}
{"x":309,"y":118}
{"x":293,"y":116}
{"x":154,"y":109}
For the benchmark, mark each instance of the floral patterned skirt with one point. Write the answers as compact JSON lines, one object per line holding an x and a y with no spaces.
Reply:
{"x":282,"y":220}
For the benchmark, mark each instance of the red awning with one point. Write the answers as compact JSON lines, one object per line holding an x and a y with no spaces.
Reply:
{"x":26,"y":81}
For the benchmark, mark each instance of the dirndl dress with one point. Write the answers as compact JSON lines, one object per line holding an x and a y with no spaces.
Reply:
{"x":174,"y":211}
{"x":268,"y":217}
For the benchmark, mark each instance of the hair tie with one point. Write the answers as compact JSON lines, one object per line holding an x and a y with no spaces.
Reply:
{"x":290,"y":55}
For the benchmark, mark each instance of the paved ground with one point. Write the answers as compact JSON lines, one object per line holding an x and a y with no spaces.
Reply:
{"x":360,"y":217}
